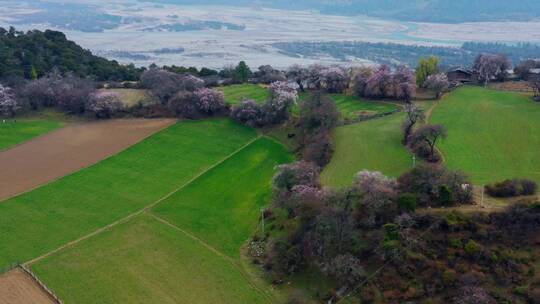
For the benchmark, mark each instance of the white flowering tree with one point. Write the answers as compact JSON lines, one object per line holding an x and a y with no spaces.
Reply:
{"x":9,"y":106}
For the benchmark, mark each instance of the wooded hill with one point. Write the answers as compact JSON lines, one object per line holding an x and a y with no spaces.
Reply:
{"x":36,"y":53}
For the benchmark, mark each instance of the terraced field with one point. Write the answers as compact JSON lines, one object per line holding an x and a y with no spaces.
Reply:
{"x":492,"y":135}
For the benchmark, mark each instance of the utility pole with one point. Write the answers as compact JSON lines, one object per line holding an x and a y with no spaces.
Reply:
{"x":483,"y":190}
{"x":262,"y":220}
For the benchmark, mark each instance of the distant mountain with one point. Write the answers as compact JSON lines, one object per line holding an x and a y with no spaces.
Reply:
{"x":443,"y":11}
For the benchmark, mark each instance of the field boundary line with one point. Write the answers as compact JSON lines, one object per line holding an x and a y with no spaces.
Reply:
{"x":42,"y":285}
{"x":173,"y":122}
{"x":141,"y":211}
{"x":232,"y":261}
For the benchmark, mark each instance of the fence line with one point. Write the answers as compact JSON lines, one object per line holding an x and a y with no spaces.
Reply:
{"x":41,"y":284}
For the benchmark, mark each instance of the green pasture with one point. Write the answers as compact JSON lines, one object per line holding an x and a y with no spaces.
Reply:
{"x":492,"y":135}
{"x":145,"y":261}
{"x":42,"y":220}
{"x":372,"y":145}
{"x":223,"y":205}
{"x":234,"y":94}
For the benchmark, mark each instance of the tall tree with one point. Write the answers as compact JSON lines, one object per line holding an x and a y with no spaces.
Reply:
{"x":242,"y":73}
{"x":490,"y":66}
{"x":426,"y":67}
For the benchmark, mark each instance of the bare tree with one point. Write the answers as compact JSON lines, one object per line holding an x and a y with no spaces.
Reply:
{"x":415,"y":114}
{"x":428,"y":135}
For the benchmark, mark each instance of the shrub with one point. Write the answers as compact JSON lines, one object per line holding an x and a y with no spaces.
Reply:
{"x":248,"y":112}
{"x":165,"y":84}
{"x":298,"y":173}
{"x":69,"y":93}
{"x":318,"y":113}
{"x":104,"y":105}
{"x":319,"y":149}
{"x":407,"y":201}
{"x":201,"y":102}
{"x":209,"y":102}
{"x":346,"y":269}
{"x":435,"y":185}
{"x":472,"y":248}
{"x":512,"y":188}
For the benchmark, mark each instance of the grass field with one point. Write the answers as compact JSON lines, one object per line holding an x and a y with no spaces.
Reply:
{"x":222,"y":206}
{"x":352,"y":107}
{"x":492,"y":135}
{"x":145,"y":261}
{"x":234,"y":94}
{"x":19,"y":130}
{"x":130,"y":97}
{"x":373,"y":145}
{"x":48,"y":217}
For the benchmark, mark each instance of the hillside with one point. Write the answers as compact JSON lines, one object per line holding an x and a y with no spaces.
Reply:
{"x":35,"y":53}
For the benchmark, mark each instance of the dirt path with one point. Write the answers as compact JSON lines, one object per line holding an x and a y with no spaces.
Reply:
{"x":68,"y":150}
{"x":17,"y":287}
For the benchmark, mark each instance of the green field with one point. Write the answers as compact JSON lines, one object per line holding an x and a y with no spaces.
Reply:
{"x":19,"y":130}
{"x":144,"y":261}
{"x":492,"y":135}
{"x":42,"y":220}
{"x":147,"y":260}
{"x":352,"y":107}
{"x":372,"y":145}
{"x":222,"y":206}
{"x":234,"y":94}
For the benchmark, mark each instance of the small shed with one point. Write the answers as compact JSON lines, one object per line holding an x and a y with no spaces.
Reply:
{"x":460,"y":75}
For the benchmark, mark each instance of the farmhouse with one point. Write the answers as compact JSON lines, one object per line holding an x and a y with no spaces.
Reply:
{"x":460,"y":76}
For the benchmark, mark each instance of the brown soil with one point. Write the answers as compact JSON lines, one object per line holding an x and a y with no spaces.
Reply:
{"x":515,"y":86}
{"x":68,"y":150}
{"x":17,"y":287}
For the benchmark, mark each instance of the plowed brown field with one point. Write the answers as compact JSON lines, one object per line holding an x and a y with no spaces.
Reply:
{"x":17,"y":287}
{"x":68,"y":150}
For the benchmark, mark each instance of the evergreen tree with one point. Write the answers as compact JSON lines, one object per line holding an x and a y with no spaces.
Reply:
{"x":241,"y":73}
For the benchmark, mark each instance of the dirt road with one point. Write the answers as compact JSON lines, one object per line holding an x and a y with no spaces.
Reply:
{"x":68,"y":150}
